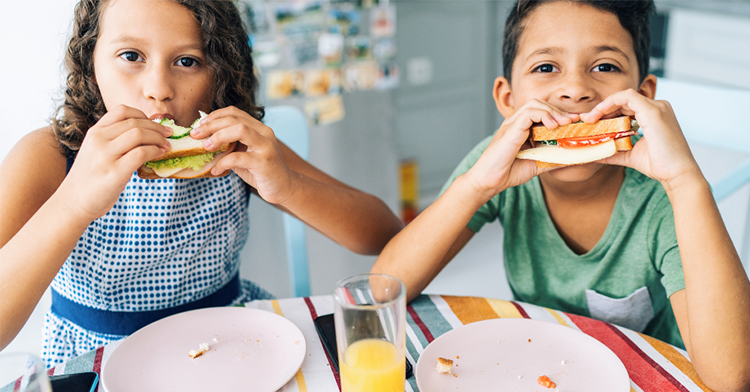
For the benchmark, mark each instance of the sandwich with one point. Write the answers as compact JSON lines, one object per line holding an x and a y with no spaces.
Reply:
{"x":579,"y":143}
{"x":187,"y":158}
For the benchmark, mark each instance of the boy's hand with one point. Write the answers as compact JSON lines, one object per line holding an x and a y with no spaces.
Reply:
{"x":257,"y":158}
{"x":498,"y":169}
{"x":120,"y":142}
{"x":663,"y":152}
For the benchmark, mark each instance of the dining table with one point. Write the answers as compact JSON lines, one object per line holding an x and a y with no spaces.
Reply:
{"x":652,"y":365}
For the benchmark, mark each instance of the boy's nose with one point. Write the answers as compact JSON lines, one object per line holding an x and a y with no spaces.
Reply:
{"x":157,"y":84}
{"x":575,"y":88}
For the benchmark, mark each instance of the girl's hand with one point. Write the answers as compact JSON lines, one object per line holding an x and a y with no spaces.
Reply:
{"x":120,"y":142}
{"x":663,"y":152}
{"x":256,"y":159}
{"x":498,"y":169}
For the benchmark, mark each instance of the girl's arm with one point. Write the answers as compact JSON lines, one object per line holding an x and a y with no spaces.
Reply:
{"x":713,"y":311}
{"x":43,"y":211}
{"x":356,"y":220}
{"x":359,"y":221}
{"x":37,"y":230}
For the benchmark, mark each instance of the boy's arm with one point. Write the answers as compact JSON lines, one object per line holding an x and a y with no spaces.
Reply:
{"x":419,"y":252}
{"x":713,"y":311}
{"x":429,"y":243}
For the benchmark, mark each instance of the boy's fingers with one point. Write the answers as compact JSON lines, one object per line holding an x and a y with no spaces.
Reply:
{"x":626,"y":102}
{"x":621,"y":158}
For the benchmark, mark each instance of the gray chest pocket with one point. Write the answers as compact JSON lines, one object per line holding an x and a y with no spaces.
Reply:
{"x":633,"y":312}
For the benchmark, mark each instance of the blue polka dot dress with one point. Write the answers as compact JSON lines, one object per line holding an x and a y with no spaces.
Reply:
{"x":164,"y":244}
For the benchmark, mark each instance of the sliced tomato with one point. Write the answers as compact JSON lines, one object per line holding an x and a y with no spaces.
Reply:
{"x":591,"y":140}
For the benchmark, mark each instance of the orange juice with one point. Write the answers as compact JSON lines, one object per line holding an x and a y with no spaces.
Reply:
{"x":373,"y":365}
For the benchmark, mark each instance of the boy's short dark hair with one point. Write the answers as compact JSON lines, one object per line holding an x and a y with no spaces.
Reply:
{"x":634,"y":16}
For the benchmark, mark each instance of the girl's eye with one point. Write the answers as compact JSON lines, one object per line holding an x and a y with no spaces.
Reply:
{"x":545,"y":68}
{"x":130,"y":56}
{"x":606,"y":68}
{"x":187,"y":62}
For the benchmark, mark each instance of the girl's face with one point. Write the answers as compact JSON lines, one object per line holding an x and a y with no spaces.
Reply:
{"x":149,"y":56}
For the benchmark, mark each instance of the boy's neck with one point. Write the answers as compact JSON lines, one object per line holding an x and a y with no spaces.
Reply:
{"x":605,"y":182}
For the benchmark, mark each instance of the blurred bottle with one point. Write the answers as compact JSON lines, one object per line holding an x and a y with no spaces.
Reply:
{"x":409,"y":181}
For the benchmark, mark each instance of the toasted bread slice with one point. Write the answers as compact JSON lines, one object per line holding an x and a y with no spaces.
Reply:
{"x":580,"y":129}
{"x":187,"y":147}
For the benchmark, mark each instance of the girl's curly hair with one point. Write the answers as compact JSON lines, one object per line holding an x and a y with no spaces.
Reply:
{"x":225,"y":46}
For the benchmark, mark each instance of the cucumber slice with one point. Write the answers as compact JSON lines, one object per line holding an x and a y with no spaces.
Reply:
{"x":179,"y":132}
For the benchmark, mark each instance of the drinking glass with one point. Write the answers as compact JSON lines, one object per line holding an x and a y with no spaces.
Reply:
{"x":369,"y":315}
{"x":22,"y":372}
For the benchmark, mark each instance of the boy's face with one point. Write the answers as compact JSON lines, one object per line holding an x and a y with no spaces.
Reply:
{"x":572,"y":56}
{"x":149,"y":55}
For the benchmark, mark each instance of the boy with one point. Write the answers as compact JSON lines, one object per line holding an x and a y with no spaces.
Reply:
{"x":598,"y":239}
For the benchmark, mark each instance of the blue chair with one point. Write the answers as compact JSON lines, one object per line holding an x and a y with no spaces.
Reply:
{"x":290,"y":126}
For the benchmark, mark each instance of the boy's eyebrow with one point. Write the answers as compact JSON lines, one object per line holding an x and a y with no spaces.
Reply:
{"x":557,"y":50}
{"x":548,"y":50}
{"x":605,"y":48}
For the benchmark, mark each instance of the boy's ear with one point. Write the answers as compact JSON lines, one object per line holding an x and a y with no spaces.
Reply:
{"x":648,"y":87}
{"x":503,"y":97}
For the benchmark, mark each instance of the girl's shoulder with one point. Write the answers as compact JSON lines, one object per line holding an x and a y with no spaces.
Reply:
{"x":37,"y":157}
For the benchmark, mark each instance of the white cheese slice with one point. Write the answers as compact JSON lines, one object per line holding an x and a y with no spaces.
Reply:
{"x":165,"y":172}
{"x":569,"y":156}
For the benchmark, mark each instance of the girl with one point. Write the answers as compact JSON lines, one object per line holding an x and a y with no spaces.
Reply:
{"x":120,"y":251}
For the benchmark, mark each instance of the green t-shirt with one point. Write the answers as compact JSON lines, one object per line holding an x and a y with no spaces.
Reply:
{"x":626,"y":279}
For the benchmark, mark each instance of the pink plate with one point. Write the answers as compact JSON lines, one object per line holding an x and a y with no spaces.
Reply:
{"x":254,"y":350}
{"x":497,"y":355}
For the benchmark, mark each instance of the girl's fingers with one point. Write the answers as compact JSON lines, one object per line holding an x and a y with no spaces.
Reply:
{"x":124,"y":117}
{"x":135,"y":157}
{"x":234,"y":160}
{"x":136,"y":137}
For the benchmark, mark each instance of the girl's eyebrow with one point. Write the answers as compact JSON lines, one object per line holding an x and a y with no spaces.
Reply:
{"x":127,"y":39}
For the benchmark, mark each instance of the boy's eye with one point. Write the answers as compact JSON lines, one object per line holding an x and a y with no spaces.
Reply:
{"x":130,"y":56}
{"x":545,"y":68}
{"x":187,"y":62}
{"x":606,"y":68}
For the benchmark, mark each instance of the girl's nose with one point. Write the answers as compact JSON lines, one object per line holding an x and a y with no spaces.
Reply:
{"x":157,"y":84}
{"x":575,"y":88}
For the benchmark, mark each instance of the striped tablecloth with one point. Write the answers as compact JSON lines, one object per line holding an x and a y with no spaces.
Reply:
{"x":652,"y":365}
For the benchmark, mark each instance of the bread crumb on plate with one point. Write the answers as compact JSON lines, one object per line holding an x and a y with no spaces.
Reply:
{"x":444,"y":365}
{"x":197,"y":353}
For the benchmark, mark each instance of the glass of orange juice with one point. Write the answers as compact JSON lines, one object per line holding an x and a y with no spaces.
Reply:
{"x":370,"y":317}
